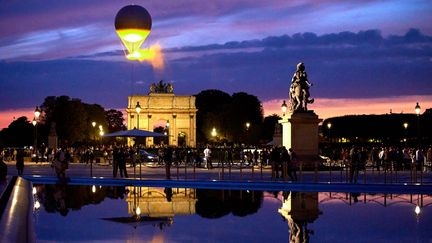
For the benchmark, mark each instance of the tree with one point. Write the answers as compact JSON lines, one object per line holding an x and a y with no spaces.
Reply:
{"x":245,"y":108}
{"x":18,"y":134}
{"x":73,"y":118}
{"x":211,"y":105}
{"x":269,"y":126}
{"x":115,"y":120}
{"x":229,"y":115}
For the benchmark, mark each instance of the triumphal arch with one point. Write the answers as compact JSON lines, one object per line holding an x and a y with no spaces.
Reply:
{"x":162,"y":108}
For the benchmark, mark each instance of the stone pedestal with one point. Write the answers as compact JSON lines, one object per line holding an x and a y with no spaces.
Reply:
{"x":300,"y":132}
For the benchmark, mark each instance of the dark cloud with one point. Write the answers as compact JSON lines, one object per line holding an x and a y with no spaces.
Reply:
{"x":361,"y":38}
{"x":341,"y":65}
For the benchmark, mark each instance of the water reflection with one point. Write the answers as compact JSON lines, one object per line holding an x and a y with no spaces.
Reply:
{"x":299,"y":209}
{"x":60,"y":198}
{"x":165,"y":208}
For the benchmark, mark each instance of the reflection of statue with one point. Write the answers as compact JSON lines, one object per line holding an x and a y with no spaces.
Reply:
{"x":299,"y":209}
{"x":299,"y":90}
{"x":161,"y":87}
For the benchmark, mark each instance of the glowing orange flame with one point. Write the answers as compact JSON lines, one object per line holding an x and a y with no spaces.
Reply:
{"x":153,"y":55}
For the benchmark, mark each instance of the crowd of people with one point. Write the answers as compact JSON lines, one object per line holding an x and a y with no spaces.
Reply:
{"x":284,"y":162}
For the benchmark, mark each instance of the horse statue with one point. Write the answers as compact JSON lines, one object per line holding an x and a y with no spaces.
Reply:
{"x":299,"y":90}
{"x":299,"y":98}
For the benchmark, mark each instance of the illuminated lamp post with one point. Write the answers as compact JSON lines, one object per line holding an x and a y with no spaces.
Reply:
{"x":214,"y":134}
{"x":247,"y":131}
{"x":37,"y":113}
{"x":94,"y":134}
{"x":284,"y":108}
{"x":138,"y":110}
{"x":329,"y":125}
{"x":417,"y":111}
{"x":405,"y":125}
{"x":34,"y":122}
{"x":167,"y":131}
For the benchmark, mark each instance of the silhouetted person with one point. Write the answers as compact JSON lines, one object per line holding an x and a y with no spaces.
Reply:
{"x":20,"y":161}
{"x":115,"y":161}
{"x":207,"y":156}
{"x":275,"y":162}
{"x":292,"y":165}
{"x":61,"y":163}
{"x":168,"y":162}
{"x":122,"y":163}
{"x":355,"y":164}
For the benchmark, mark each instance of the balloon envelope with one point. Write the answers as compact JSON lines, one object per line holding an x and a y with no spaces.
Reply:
{"x":133,"y":24}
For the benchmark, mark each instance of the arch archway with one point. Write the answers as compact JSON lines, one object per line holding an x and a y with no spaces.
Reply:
{"x":160,"y":109}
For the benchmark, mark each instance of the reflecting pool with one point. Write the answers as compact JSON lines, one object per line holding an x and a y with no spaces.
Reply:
{"x":149,"y":214}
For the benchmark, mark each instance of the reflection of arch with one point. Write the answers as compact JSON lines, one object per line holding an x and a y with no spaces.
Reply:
{"x":179,"y":111}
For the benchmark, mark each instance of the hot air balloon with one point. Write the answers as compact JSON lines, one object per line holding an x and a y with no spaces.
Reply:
{"x":133,"y":24}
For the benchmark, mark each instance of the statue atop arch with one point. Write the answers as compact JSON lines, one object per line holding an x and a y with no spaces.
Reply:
{"x":299,"y":90}
{"x":161,"y":87}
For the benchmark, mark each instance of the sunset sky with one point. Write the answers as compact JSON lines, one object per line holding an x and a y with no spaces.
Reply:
{"x":363,"y":57}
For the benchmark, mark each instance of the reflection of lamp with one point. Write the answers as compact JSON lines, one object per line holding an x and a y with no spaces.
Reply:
{"x":93,"y":189}
{"x":417,"y":210}
{"x":37,"y":205}
{"x":284,"y":107}
{"x":138,"y":212}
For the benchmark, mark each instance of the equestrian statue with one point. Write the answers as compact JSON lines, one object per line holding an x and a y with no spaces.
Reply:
{"x":299,"y":90}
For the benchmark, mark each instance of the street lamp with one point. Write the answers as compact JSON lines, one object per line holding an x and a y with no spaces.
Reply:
{"x":213,"y":132}
{"x":405,"y":125}
{"x":329,"y":125}
{"x":417,"y":111}
{"x":94,"y":133}
{"x":284,"y":107}
{"x":34,"y":122}
{"x":247,"y":125}
{"x":167,"y":131}
{"x":138,"y":110}
{"x":37,"y":113}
